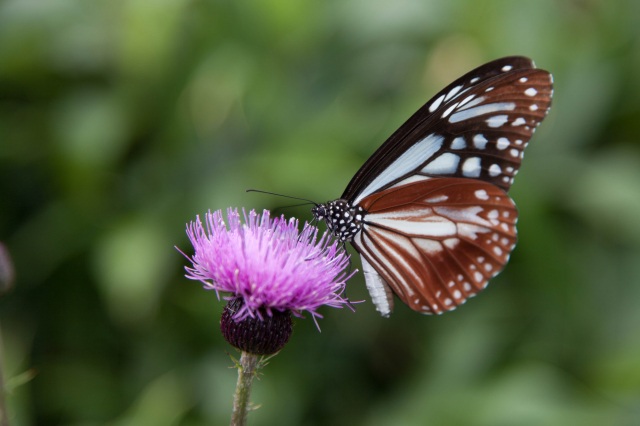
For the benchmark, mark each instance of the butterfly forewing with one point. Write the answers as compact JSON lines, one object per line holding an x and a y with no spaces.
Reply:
{"x":442,"y":246}
{"x":476,"y":128}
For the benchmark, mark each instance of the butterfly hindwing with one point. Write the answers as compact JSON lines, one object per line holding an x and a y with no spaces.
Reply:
{"x":437,"y":242}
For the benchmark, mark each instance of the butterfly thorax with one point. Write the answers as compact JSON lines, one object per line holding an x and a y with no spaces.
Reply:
{"x":343,"y":219}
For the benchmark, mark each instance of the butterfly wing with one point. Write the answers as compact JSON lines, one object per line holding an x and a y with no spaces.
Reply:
{"x":439,"y":223}
{"x":435,"y":242}
{"x":477,"y":127}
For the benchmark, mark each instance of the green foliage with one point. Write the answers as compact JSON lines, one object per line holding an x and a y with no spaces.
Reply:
{"x":122,"y":120}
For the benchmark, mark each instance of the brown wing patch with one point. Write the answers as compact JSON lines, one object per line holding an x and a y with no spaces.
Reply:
{"x":438,"y":242}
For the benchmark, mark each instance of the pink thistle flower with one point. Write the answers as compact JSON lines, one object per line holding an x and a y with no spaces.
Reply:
{"x":267,"y":263}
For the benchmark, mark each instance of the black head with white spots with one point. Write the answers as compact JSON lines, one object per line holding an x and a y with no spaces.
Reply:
{"x":343,"y":219}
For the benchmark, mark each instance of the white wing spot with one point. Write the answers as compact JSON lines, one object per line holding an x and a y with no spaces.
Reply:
{"x":489,"y":89}
{"x":476,"y":111}
{"x":467,"y":287}
{"x":518,"y":142}
{"x":505,"y":179}
{"x":470,"y":231}
{"x":509,"y":169}
{"x":457,"y":294}
{"x":496,"y":121}
{"x":523,"y":80}
{"x":493,"y":217}
{"x":494,"y":170}
{"x":468,"y":222}
{"x":477,"y":276}
{"x":514,"y":153}
{"x":419,"y":222}
{"x":451,"y":284}
{"x":448,"y":110}
{"x":465,"y":100}
{"x":446,"y":163}
{"x":531,"y":91}
{"x":497,"y":250}
{"x":429,"y":246}
{"x":451,"y":243}
{"x":471,"y":167}
{"x":437,"y":199}
{"x":533,"y":107}
{"x":475,"y":102}
{"x":452,"y":93}
{"x":458,"y":143}
{"x":502,"y":143}
{"x":448,"y":301}
{"x":479,"y":141}
{"x":488,"y":267}
{"x":507,"y":68}
{"x":518,"y":121}
{"x":481,"y":194}
{"x":436,"y":104}
{"x":474,"y":80}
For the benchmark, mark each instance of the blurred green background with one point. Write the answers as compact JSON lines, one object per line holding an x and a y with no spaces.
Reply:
{"x":122,"y":120}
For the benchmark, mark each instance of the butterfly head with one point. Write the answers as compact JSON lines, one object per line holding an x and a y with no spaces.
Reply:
{"x":343,"y":219}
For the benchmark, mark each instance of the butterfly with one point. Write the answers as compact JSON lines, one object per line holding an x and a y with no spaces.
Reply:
{"x":428,"y":212}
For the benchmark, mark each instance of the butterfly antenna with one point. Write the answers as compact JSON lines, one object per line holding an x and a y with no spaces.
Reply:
{"x":288,"y":206}
{"x":284,"y":196}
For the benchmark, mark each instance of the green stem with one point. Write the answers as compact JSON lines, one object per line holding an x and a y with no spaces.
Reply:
{"x":246,"y":372}
{"x":4,"y":417}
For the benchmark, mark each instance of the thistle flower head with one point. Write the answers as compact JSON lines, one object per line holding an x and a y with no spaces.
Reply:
{"x":267,"y":263}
